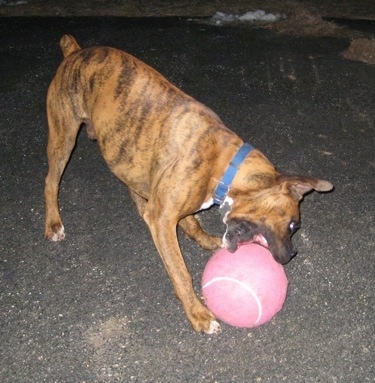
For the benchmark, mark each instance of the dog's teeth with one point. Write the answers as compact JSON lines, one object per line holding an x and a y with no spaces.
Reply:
{"x":260,"y":240}
{"x":264,"y":241}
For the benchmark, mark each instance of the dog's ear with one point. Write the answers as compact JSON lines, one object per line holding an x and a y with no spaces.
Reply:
{"x":300,"y":185}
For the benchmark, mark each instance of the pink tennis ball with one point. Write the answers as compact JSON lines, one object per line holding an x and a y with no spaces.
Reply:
{"x":246,"y":288}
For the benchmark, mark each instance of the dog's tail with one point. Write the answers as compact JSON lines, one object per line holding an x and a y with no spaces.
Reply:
{"x":69,"y":45}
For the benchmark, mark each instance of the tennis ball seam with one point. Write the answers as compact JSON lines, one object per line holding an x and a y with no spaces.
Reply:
{"x":249,"y":289}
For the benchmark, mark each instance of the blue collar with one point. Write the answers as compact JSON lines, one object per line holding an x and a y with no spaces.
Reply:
{"x":223,"y":186}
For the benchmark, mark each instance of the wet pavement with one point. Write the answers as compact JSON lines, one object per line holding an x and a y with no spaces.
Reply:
{"x":98,"y":306}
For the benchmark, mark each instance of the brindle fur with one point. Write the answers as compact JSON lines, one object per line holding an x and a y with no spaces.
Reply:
{"x":170,"y":151}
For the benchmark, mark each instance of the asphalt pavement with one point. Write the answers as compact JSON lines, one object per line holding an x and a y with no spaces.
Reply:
{"x":98,"y":307}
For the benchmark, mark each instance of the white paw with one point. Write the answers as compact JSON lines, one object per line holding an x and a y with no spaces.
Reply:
{"x":59,"y":235}
{"x":214,"y":328}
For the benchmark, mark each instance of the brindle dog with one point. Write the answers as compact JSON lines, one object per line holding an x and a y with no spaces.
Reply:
{"x":172,"y":152}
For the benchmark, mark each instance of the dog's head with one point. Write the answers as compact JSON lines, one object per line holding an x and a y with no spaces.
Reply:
{"x":268,"y":214}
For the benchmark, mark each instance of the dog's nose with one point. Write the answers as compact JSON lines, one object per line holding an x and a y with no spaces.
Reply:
{"x":287,"y":257}
{"x":292,"y":254}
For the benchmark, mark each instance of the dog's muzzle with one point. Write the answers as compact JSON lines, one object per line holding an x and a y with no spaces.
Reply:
{"x":245,"y":231}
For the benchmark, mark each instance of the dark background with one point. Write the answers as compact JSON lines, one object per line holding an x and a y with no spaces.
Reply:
{"x":98,"y":307}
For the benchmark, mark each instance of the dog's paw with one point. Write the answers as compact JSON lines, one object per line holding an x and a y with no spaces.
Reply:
{"x":56,"y":233}
{"x":214,"y":328}
{"x":216,"y":243}
{"x":204,"y":321}
{"x":210,"y":242}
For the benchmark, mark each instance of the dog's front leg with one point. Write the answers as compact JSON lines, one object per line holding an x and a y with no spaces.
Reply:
{"x":163,"y":231}
{"x":192,"y":228}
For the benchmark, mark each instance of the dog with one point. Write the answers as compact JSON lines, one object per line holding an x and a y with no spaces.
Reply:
{"x":176,"y":157}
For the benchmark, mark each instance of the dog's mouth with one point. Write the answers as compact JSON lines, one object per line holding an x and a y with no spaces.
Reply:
{"x":232,"y":240}
{"x":241,"y":232}
{"x":258,"y":239}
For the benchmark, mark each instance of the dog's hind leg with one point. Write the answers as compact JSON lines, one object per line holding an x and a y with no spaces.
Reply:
{"x":63,"y":129}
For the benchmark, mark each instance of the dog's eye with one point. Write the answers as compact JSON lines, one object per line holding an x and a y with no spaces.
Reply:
{"x":293,"y":226}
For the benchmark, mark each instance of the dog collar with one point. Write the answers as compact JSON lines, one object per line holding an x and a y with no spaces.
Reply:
{"x":223,"y":186}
